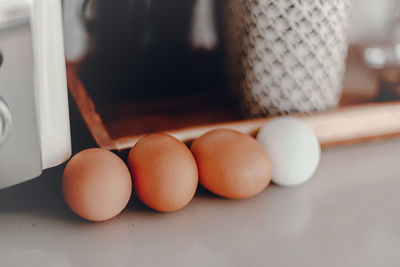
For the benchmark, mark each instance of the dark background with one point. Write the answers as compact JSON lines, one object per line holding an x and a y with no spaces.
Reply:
{"x":142,"y":50}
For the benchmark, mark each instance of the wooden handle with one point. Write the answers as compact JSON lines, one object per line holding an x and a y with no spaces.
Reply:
{"x":346,"y":125}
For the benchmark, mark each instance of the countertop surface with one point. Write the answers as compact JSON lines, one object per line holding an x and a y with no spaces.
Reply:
{"x":348,"y":214}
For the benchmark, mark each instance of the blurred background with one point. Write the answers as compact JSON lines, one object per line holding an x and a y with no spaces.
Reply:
{"x":142,"y":58}
{"x":136,"y":40}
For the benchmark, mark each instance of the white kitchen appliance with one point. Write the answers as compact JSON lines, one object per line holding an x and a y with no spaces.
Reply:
{"x":34,"y":117}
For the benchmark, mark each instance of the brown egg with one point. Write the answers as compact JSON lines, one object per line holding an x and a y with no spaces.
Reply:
{"x":164,"y":172}
{"x":231,"y":164}
{"x":96,"y":184}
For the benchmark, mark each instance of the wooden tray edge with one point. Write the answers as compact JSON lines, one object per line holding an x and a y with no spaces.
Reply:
{"x":87,"y":109}
{"x":345,"y":125}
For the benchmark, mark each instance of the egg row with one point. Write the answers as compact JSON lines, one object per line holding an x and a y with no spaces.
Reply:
{"x":97,"y":184}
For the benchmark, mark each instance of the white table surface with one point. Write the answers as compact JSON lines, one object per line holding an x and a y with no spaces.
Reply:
{"x":347,"y":215}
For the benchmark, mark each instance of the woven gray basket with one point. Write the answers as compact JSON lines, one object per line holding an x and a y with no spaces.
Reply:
{"x":286,"y":55}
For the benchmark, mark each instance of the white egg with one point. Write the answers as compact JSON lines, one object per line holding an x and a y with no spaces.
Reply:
{"x":293,"y":149}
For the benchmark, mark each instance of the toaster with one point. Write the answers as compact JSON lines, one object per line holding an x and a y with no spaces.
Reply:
{"x":34,"y":116}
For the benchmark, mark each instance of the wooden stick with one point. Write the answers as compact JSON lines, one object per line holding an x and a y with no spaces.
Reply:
{"x":346,"y":125}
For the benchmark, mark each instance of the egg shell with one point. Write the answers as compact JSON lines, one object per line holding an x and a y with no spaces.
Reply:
{"x":293,"y":148}
{"x":231,"y":164}
{"x":96,"y":184}
{"x":164,"y":172}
